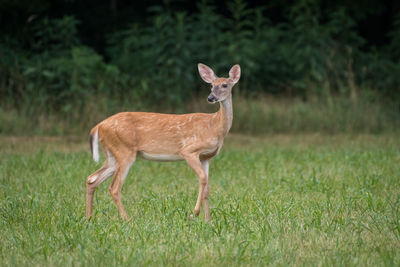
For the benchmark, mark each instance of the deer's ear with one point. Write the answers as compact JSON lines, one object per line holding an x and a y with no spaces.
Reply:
{"x":234,"y":73}
{"x":206,"y":73}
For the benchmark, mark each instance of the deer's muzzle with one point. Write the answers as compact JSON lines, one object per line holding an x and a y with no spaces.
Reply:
{"x":212,"y":99}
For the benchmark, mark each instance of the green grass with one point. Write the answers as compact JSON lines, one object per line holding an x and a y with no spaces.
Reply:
{"x":252,"y":116}
{"x":278,"y":200}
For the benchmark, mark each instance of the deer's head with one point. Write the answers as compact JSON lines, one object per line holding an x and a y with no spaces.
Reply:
{"x":220,"y":87}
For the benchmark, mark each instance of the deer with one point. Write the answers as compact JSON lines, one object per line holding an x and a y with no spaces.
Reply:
{"x":194,"y":137}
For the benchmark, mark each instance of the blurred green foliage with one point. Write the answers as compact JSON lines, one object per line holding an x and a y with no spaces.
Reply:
{"x":153,"y":62}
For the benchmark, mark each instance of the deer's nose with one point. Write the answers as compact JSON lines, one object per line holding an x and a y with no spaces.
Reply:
{"x":211,"y":98}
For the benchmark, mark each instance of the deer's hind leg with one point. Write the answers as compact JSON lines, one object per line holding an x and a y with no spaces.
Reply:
{"x":96,"y":178}
{"x":123,"y":166}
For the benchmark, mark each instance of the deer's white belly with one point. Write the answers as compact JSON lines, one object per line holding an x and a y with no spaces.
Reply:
{"x":172,"y":157}
{"x":159,"y":157}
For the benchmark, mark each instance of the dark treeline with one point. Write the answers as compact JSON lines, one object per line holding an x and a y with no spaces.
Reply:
{"x":58,"y":55}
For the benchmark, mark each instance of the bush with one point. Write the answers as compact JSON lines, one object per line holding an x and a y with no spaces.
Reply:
{"x":153,"y":64}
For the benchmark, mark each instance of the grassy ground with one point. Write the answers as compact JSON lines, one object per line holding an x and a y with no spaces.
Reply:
{"x":278,"y":200}
{"x":252,"y":116}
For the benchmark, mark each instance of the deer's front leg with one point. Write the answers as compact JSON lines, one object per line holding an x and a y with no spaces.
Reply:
{"x":206,"y":207}
{"x":194,"y":162}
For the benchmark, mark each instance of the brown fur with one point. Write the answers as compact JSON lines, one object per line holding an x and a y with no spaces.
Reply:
{"x":195,"y":138}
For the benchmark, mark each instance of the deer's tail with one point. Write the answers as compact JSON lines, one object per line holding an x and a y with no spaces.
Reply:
{"x":94,"y":143}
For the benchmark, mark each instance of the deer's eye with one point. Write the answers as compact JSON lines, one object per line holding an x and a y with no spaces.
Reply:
{"x":224,"y":85}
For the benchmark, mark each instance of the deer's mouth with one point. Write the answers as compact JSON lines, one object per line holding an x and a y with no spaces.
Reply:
{"x":212,"y":99}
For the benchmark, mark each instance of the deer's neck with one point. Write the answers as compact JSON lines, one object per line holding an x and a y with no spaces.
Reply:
{"x":225,"y":115}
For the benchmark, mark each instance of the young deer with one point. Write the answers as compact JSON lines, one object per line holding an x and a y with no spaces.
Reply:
{"x":195,"y":138}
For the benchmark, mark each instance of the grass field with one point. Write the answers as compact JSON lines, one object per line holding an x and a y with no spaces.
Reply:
{"x":277,"y":200}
